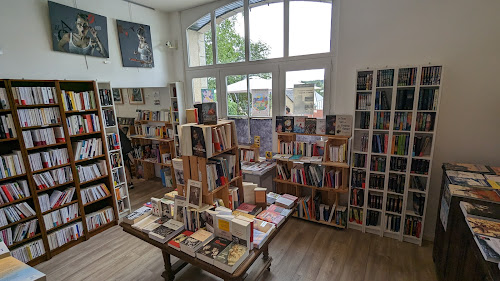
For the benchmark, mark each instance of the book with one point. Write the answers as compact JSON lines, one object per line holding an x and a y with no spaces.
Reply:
{"x":299,"y":124}
{"x":175,"y":243}
{"x":140,"y":225}
{"x":472,"y":192}
{"x":242,"y":231}
{"x":479,"y":210}
{"x":179,"y":204}
{"x":279,"y":124}
{"x":321,"y":127}
{"x":489,"y":247}
{"x":272,"y":217}
{"x":310,"y":126}
{"x":212,"y":249}
{"x":209,"y":113}
{"x":137,"y":215}
{"x":280,"y":210}
{"x":192,"y":115}
{"x":231,"y":257}
{"x":262,"y":230}
{"x":331,"y":124}
{"x":493,"y":180}
{"x":198,"y":142}
{"x":166,"y":231}
{"x":4,"y":251}
{"x":284,"y":202}
{"x":483,"y":226}
{"x":343,"y":125}
{"x":260,"y":195}
{"x":467,"y":179}
{"x":195,"y":241}
{"x":288,"y":124}
{"x":248,"y":192}
{"x":194,"y":193}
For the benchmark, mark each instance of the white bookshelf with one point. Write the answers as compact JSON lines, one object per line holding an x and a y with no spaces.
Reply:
{"x":176,"y":91}
{"x":407,"y":191}
{"x":123,"y":205}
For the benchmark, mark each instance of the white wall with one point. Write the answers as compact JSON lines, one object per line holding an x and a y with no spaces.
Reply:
{"x":27,"y":45}
{"x":464,"y":37}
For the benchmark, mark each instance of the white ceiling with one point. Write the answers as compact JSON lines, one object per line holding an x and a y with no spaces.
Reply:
{"x":172,"y":5}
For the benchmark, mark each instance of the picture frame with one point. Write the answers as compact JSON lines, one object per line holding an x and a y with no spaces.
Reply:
{"x":117,"y":96}
{"x":194,"y":192}
{"x":136,"y":96}
{"x":135,"y":44}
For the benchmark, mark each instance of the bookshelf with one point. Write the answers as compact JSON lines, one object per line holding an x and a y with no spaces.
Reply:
{"x":249,"y":150}
{"x":176,"y":90}
{"x":329,"y":194}
{"x":396,"y":115}
{"x":56,"y":141}
{"x":195,"y":168}
{"x":115,"y":156}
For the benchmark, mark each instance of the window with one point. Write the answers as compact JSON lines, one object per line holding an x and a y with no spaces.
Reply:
{"x":249,"y":98}
{"x":310,"y":27}
{"x":230,"y":33}
{"x":204,"y":90}
{"x":261,"y":89}
{"x":237,"y":95}
{"x":199,"y":38}
{"x":304,"y":93}
{"x":266,"y":29}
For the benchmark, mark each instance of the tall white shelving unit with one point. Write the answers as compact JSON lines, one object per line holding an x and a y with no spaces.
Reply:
{"x":122,"y":198}
{"x":176,"y":90}
{"x":423,"y":83}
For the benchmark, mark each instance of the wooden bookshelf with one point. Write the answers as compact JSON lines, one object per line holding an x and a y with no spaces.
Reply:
{"x":405,"y":94}
{"x":251,"y":147}
{"x":18,"y":144}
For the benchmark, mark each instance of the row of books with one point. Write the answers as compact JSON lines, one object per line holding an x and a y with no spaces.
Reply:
{"x":88,"y":148}
{"x":413,"y":226}
{"x":400,"y":144}
{"x":17,"y":212}
{"x":149,"y":152}
{"x":118,"y":177}
{"x":407,"y":76}
{"x":38,"y":116}
{"x":382,"y":100}
{"x":428,"y":99}
{"x":57,"y":198}
{"x":120,"y":193}
{"x":4,"y":100}
{"x":363,"y":101}
{"x":431,"y":75}
{"x":247,"y":155}
{"x":377,"y":164}
{"x":11,"y":164}
{"x":65,"y":235}
{"x":125,"y":120}
{"x":376,"y":181}
{"x":21,"y":231}
{"x":220,"y":170}
{"x":364,"y":120}
{"x":364,"y":81}
{"x":375,"y":200}
{"x":420,"y":166}
{"x":358,"y":179}
{"x":115,"y":159}
{"x":99,"y":218}
{"x":61,"y":216}
{"x":382,"y":120}
{"x":421,"y":145}
{"x":359,"y":160}
{"x":364,"y":140}
{"x":385,"y":77}
{"x":109,"y":117}
{"x":417,"y":183}
{"x":53,"y":177}
{"x":356,"y":215}
{"x":340,"y":125}
{"x":45,"y":136}
{"x":80,"y":124}
{"x":394,"y":204}
{"x":13,"y":191}
{"x":34,"y":95}
{"x":396,"y":183}
{"x":154,"y":131}
{"x":29,"y":251}
{"x":418,"y":203}
{"x":106,"y":97}
{"x":357,"y":197}
{"x":404,"y":99}
{"x":392,"y":222}
{"x":78,"y":100}
{"x":7,"y":129}
{"x":94,"y":193}
{"x":48,"y":159}
{"x":151,"y":115}
{"x":307,"y":174}
{"x":398,"y":164}
{"x":402,"y":121}
{"x":113,"y":141}
{"x":338,"y":153}
{"x":302,"y":148}
{"x":372,"y":218}
{"x":92,"y":171}
{"x":333,"y":179}
{"x":379,"y":143}
{"x":200,"y":140}
{"x":425,"y":122}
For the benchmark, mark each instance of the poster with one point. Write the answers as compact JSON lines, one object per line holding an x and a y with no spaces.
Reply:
{"x":303,"y":99}
{"x":208,"y":95}
{"x":445,"y":207}
{"x":135,"y":44}
{"x":78,"y":32}
{"x":260,"y":103}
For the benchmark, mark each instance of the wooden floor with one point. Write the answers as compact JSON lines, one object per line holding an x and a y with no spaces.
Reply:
{"x":301,"y":251}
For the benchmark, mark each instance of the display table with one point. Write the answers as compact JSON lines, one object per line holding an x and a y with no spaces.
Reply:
{"x":262,"y":177}
{"x":239,"y":274}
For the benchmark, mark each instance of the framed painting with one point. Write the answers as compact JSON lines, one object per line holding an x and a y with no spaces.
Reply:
{"x":135,"y":44}
{"x":117,"y":96}
{"x":136,"y":96}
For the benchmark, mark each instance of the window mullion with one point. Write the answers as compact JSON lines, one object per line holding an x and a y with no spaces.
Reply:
{"x":286,"y":35}
{"x":246,"y":17}
{"x":214,"y":37}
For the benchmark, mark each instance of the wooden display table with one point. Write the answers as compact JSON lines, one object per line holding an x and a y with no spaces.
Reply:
{"x":239,"y":274}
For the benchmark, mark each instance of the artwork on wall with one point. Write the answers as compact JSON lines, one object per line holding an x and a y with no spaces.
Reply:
{"x":135,"y":44}
{"x":78,"y":32}
{"x":260,"y":103}
{"x":117,"y":96}
{"x":135,"y":96}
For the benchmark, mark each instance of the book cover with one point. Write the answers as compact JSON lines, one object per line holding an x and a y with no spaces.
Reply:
{"x":271,"y":216}
{"x":331,"y":124}
{"x":279,"y":124}
{"x":484,"y":226}
{"x":179,"y":170}
{"x":479,"y":210}
{"x":175,"y":243}
{"x":489,"y":247}
{"x":467,"y":179}
{"x":179,"y":203}
{"x":471,"y":192}
{"x":194,"y":193}
{"x":288,"y":124}
{"x":475,"y":168}
{"x":493,"y":180}
{"x":209,"y":113}
{"x":344,"y":125}
{"x":310,"y":126}
{"x":321,"y":126}
{"x":299,"y":124}
{"x":212,"y":249}
{"x":198,"y":142}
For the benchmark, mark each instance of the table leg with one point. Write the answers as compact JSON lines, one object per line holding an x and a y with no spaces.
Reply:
{"x":168,"y":275}
{"x":265,"y":253}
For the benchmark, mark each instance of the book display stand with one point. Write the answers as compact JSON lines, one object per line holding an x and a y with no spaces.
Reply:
{"x":395,"y":126}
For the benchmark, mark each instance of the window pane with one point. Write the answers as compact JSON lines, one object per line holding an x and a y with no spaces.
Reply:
{"x":204,"y":90}
{"x":310,"y":25}
{"x":230,"y":33}
{"x":305,"y":90}
{"x":266,"y":29}
{"x":237,"y":95}
{"x":261,"y":89}
{"x":199,"y":38}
